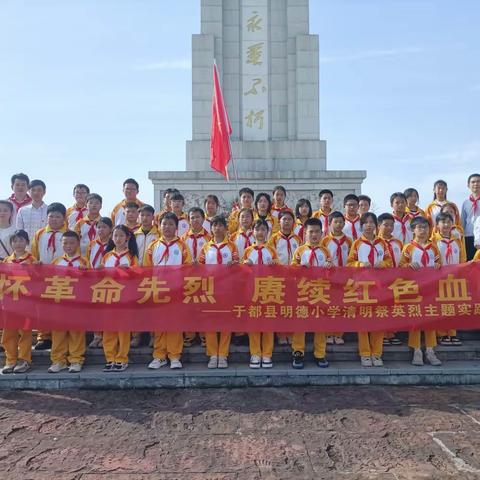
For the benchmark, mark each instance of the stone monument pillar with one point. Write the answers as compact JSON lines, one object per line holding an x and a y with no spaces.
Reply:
{"x":268,"y":64}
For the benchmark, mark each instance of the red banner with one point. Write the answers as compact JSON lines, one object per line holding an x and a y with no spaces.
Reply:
{"x":239,"y":298}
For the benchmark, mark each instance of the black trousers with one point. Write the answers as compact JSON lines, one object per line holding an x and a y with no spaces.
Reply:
{"x":470,"y":246}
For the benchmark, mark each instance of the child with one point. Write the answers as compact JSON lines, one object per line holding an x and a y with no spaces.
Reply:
{"x":401,"y":229}
{"x":470,"y":214}
{"x":68,"y":345}
{"x":178,"y":202}
{"x":47,"y":245}
{"x":167,"y":250}
{"x":326,"y":205}
{"x":386,"y":224}
{"x":18,"y":343}
{"x":121,"y":252}
{"x":421,"y":253}
{"x":33,"y":217}
{"x":218,"y":251}
{"x":338,"y":245}
{"x":370,"y":251}
{"x":246,"y":197}
{"x":20,"y":197}
{"x":364,"y":204}
{"x":79,"y":208}
{"x":6,"y":228}
{"x":303,"y":211}
{"x":243,"y":237}
{"x":211,"y":204}
{"x":412,"y":196}
{"x":130,"y":190}
{"x":167,"y":204}
{"x":86,"y":228}
{"x":352,"y":228}
{"x":457,"y":230}
{"x":440,"y":189}
{"x":147,"y":232}
{"x":279,"y":206}
{"x":263,"y":207}
{"x":311,"y":254}
{"x":131,"y":210}
{"x":452,"y":252}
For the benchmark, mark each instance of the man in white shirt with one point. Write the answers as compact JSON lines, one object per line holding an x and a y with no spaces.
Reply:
{"x":33,"y":217}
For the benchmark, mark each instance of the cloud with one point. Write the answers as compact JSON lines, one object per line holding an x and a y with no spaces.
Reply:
{"x":368,"y":54}
{"x":179,"y":64}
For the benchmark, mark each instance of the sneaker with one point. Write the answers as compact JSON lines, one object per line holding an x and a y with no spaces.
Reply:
{"x":222,"y":362}
{"x":329,"y":340}
{"x":119,"y":367}
{"x":432,"y":359}
{"x":395,"y":341}
{"x":267,"y":362}
{"x":255,"y":361}
{"x":135,"y":341}
{"x":187,"y":342}
{"x":157,"y":363}
{"x":298,"y":360}
{"x":366,"y":362}
{"x":75,"y":368}
{"x":445,"y":341}
{"x":417,"y":359}
{"x":339,"y":340}
{"x":322,"y":362}
{"x":57,"y":367}
{"x":108,"y":367}
{"x":203,"y":341}
{"x":96,"y":342}
{"x":22,"y":366}
{"x":386,"y":342}
{"x":213,"y":362}
{"x":8,"y":369}
{"x":43,"y":345}
{"x":456,"y":341}
{"x":175,"y":364}
{"x":282,"y":341}
{"x":377,"y":361}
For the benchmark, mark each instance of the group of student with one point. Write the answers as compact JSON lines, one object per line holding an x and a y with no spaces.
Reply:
{"x":260,"y":229}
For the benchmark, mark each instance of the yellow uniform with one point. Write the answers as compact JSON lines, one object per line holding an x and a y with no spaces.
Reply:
{"x":195,"y":242}
{"x":395,"y":247}
{"x":242,"y":239}
{"x":433,"y":209}
{"x":272,"y":222}
{"x":402,"y":229}
{"x":95,"y":252}
{"x":207,"y":224}
{"x":338,"y":247}
{"x":299,"y":229}
{"x":233,"y":224}
{"x":144,"y":238}
{"x":183,"y":225}
{"x":118,"y":212}
{"x":418,"y":212}
{"x":323,"y":216}
{"x":87,"y":230}
{"x":74,"y":215}
{"x":285,"y":245}
{"x":276,"y":211}
{"x":352,"y":228}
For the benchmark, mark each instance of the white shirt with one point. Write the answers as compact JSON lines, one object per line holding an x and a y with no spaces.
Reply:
{"x":32,"y":219}
{"x":469,"y":216}
{"x":5,"y":247}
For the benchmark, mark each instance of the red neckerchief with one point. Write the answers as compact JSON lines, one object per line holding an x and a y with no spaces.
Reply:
{"x":80,"y":211}
{"x":218,"y":248}
{"x":354,"y":229}
{"x":403,"y":222}
{"x":425,"y":258}
{"x":195,"y":237}
{"x":313,"y":256}
{"x":474,"y":204}
{"x":373,"y":249}
{"x":287,"y":238}
{"x":118,"y":258}
{"x":449,"y":250}
{"x":166,"y":253}
{"x":390,"y":249}
{"x":259,"y":249}
{"x":339,"y":244}
{"x":22,"y":259}
{"x":100,"y":252}
{"x":26,"y":201}
{"x":72,"y":260}
{"x":51,"y":241}
{"x":246,"y":236}
{"x":92,"y":231}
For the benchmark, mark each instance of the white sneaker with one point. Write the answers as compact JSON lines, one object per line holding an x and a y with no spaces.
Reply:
{"x":175,"y":364}
{"x":282,"y":341}
{"x":57,"y":367}
{"x":366,"y":362}
{"x":135,"y":341}
{"x":75,"y":368}
{"x":255,"y":361}
{"x":432,"y":359}
{"x":157,"y":363}
{"x":213,"y":362}
{"x":339,"y":341}
{"x":222,"y":362}
{"x":329,"y":340}
{"x":377,"y":361}
{"x":267,"y":362}
{"x":22,"y":366}
{"x":417,"y":359}
{"x":96,"y":342}
{"x":8,"y":369}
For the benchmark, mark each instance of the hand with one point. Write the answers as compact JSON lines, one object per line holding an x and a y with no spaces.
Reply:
{"x":329,"y":265}
{"x":437,"y":266}
{"x":415,"y":266}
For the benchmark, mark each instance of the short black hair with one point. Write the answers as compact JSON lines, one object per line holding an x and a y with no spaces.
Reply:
{"x":313,"y":222}
{"x":443,"y":216}
{"x":246,"y":190}
{"x":177,"y":196}
{"x":418,"y":221}
{"x":219,"y":220}
{"x":326,"y":191}
{"x":71,"y":234}
{"x":196,"y":210}
{"x":366,"y":216}
{"x":286,"y":212}
{"x":350,"y":196}
{"x":263,"y":195}
{"x":19,"y":234}
{"x":303,"y":201}
{"x":94,"y":196}
{"x":170,"y":191}
{"x":37,"y":183}
{"x":212,"y":197}
{"x":281,"y":188}
{"x":409,"y":191}
{"x":107,"y":221}
{"x":82,"y":186}
{"x":20,"y":176}
{"x":57,"y":207}
{"x":473,"y":175}
{"x":366,"y":198}
{"x":146,"y":208}
{"x":131,"y":181}
{"x":336,"y":214}
{"x":395,"y":195}
{"x":169,"y":216}
{"x":131,"y":205}
{"x":260,"y":223}
{"x":385,"y":216}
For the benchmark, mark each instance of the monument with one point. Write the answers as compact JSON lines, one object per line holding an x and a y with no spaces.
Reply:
{"x":269,"y":70}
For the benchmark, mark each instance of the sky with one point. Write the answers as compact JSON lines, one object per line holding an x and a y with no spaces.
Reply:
{"x":95,"y":91}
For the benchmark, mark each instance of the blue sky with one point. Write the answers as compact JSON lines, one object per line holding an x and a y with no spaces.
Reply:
{"x":95,"y":91}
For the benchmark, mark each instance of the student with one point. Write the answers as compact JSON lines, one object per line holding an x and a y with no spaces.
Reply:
{"x":352,"y":229}
{"x":364,"y":204}
{"x":79,"y":208}
{"x":218,"y":251}
{"x":18,"y":343}
{"x":279,"y":195}
{"x":211,"y":204}
{"x":386,"y":224}
{"x":370,"y":251}
{"x":6,"y":228}
{"x":243,"y":237}
{"x":246,"y":197}
{"x":412,"y":196}
{"x":86,"y":228}
{"x":263,"y":207}
{"x":470,"y":214}
{"x":311,"y":254}
{"x":33,"y":217}
{"x":401,"y":228}
{"x":167,"y":250}
{"x":457,"y":230}
{"x":130,"y":190}
{"x":338,"y":245}
{"x":147,"y":232}
{"x":167,"y":204}
{"x":197,"y":236}
{"x":46,"y":246}
{"x":421,"y":253}
{"x":440,"y":189}
{"x":261,"y":253}
{"x":303,"y":211}
{"x":20,"y":197}
{"x":178,"y":202}
{"x":68,"y":345}
{"x":131,"y":210}
{"x":452,"y":252}
{"x":121,"y":252}
{"x":326,"y":205}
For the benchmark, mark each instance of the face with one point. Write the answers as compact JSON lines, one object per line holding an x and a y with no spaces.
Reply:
{"x":386,"y":228}
{"x":103,"y":230}
{"x":313,"y":234}
{"x":279,"y":198}
{"x":196,"y":221}
{"x":120,"y":238}
{"x":55,"y":220}
{"x":399,"y":205}
{"x":80,"y":196}
{"x":167,"y":201}
{"x":448,"y":209}
{"x":363,"y":207}
{"x":337,"y":225}
{"x":326,"y":201}
{"x":260,"y":234}
{"x":369,"y":227}
{"x":146,"y":219}
{"x":177,"y":206}
{"x":412,"y":200}
{"x":211,"y":207}
{"x":94,"y":206}
{"x":5,"y":213}
{"x":246,"y":200}
{"x":286,"y":224}
{"x":445,"y":227}
{"x":168,"y":228}
{"x":246,"y":220}
{"x":262,"y":205}
{"x":303,"y":210}
{"x":20,"y":188}
{"x":421,"y":232}
{"x":130,"y":191}
{"x":37,"y":193}
{"x":474,"y":185}
{"x":351,"y":208}
{"x":440,"y":192}
{"x":219,"y":230}
{"x":70,"y":246}
{"x":19,"y":244}
{"x":131,"y":215}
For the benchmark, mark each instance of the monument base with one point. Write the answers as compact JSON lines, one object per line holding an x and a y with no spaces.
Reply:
{"x":195,"y":185}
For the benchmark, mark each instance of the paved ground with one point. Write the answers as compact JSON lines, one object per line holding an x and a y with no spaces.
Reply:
{"x":242,"y":434}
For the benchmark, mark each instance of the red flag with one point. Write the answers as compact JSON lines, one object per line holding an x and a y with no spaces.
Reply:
{"x":220,"y":151}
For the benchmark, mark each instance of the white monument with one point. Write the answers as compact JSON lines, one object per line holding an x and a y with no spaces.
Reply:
{"x":268,"y":64}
